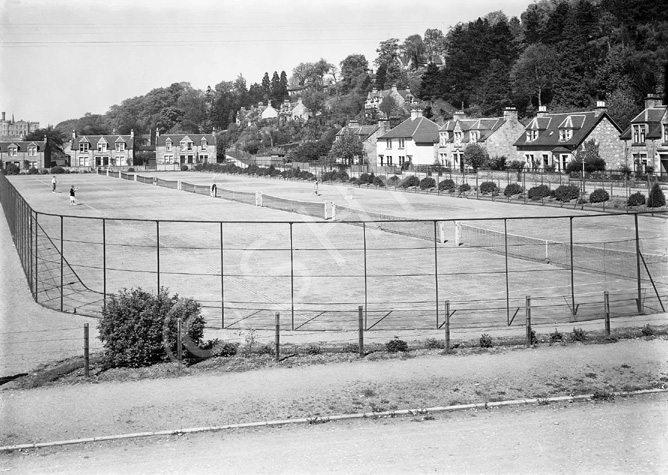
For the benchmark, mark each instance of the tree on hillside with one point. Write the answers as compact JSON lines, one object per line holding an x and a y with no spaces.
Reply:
{"x":592,"y":159}
{"x":266,"y":88}
{"x":347,"y":147}
{"x":389,"y":106}
{"x":495,"y":90}
{"x":354,"y":70}
{"x":532,"y":75}
{"x":475,"y":156}
{"x":55,"y":140}
{"x":434,"y":44}
{"x":413,"y":50}
{"x":622,"y":107}
{"x":431,"y":88}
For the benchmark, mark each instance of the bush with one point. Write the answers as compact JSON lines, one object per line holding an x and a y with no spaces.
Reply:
{"x":446,"y":185}
{"x":410,"y":181}
{"x":364,"y":179}
{"x":396,"y":345}
{"x":33,"y":171}
{"x":433,"y":344}
{"x":567,"y":192}
{"x":512,"y":189}
{"x":139,"y":328}
{"x":516,"y":165}
{"x":488,"y":187}
{"x":427,"y":183}
{"x":656,"y":197}
{"x":599,"y":196}
{"x":378,"y":181}
{"x":579,"y":334}
{"x":311,"y":349}
{"x":350,"y":348}
{"x":636,"y":199}
{"x":464,"y":187}
{"x":220,"y":348}
{"x":131,"y":170}
{"x":393,"y":180}
{"x":58,"y":170}
{"x":486,"y":341}
{"x":556,"y":336}
{"x":44,"y":171}
{"x":184,"y":168}
{"x":539,"y":192}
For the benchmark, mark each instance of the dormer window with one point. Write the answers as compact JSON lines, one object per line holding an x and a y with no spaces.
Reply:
{"x":665,"y":133}
{"x":639,"y":133}
{"x":532,"y":134}
{"x":203,"y":144}
{"x":186,"y":145}
{"x":84,"y":147}
{"x":102,"y":146}
{"x":32,"y":150}
{"x":168,"y":145}
{"x":565,"y":134}
{"x":12,"y":150}
{"x":444,"y":138}
{"x":458,"y":137}
{"x":120,"y":146}
{"x":474,"y":137}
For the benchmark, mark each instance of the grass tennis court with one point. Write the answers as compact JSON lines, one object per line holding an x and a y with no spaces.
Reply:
{"x":317,"y":272}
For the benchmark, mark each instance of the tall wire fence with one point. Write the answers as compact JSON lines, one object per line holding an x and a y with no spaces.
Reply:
{"x":407,"y":274}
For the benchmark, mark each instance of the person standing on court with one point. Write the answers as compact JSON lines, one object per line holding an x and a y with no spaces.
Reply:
{"x":53,"y":184}
{"x":213,"y":190}
{"x":315,"y":187}
{"x":73,"y":200}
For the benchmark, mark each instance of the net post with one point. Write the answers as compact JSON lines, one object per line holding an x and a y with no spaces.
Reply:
{"x":104,"y":264}
{"x":277,"y":336}
{"x":360,"y":330}
{"x":86,"y":352}
{"x":222,"y":280}
{"x":447,"y":326}
{"x":606,"y":307}
{"x":528,"y":323}
{"x":441,"y":228}
{"x":292,"y":279}
{"x":36,"y":255}
{"x":157,"y":249}
{"x":61,"y":263}
{"x":366,"y":288}
{"x":572,"y":273}
{"x":505,"y":243}
{"x":436,"y":269}
{"x":639,"y":299}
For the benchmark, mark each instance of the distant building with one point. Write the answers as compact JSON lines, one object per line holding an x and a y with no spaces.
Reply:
{"x":101,"y":150}
{"x":25,"y":154}
{"x":10,"y":129}
{"x":403,"y":97}
{"x":185,"y":149}
{"x":411,"y":142}
{"x":646,"y":139}
{"x":368,"y":135}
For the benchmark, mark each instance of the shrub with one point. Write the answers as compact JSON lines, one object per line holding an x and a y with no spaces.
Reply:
{"x":579,"y":334}
{"x":311,"y":349}
{"x":599,"y":196}
{"x":364,"y":179}
{"x":33,"y":171}
{"x":539,"y":192}
{"x":350,"y":348}
{"x":647,"y":330}
{"x":512,"y":189}
{"x":488,"y":187}
{"x":567,"y":192}
{"x":433,"y":343}
{"x":220,"y":348}
{"x":636,"y":199}
{"x":131,"y":170}
{"x":44,"y":171}
{"x":516,"y":165}
{"x":556,"y":336}
{"x":464,"y":187}
{"x":58,"y":170}
{"x":184,"y":168}
{"x":427,"y":183}
{"x":656,"y":197}
{"x":353,"y":181}
{"x":486,"y":341}
{"x":410,"y":181}
{"x":396,"y":345}
{"x":139,"y":328}
{"x":446,"y":185}
{"x":378,"y":181}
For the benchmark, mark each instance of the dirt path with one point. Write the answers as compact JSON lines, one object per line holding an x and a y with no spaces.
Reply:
{"x":96,"y":408}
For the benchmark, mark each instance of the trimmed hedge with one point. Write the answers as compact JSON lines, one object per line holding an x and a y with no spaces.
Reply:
{"x":599,"y":196}
{"x":446,"y":185}
{"x":489,"y":187}
{"x":464,"y":187}
{"x":58,"y":170}
{"x":539,"y":192}
{"x":427,"y":183}
{"x":379,"y":181}
{"x":636,"y":199}
{"x":393,"y":180}
{"x":512,"y":189}
{"x":656,"y":197}
{"x":410,"y":181}
{"x":567,"y":193}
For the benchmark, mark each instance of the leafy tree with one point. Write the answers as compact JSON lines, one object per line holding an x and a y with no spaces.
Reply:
{"x":55,"y":138}
{"x":622,"y":107}
{"x":347,"y":146}
{"x":389,"y":106}
{"x":310,"y":151}
{"x":532,"y":75}
{"x":266,"y":87}
{"x":388,"y":52}
{"x":592,"y":159}
{"x":656,"y":198}
{"x":434,"y":44}
{"x":430,"y":88}
{"x":413,"y":50}
{"x":475,"y":156}
{"x":353,"y":67}
{"x":495,"y":89}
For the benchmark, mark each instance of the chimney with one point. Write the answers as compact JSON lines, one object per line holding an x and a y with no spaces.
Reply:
{"x":394,"y":88}
{"x":45,"y":139}
{"x":132,"y":133}
{"x":600,"y":108}
{"x":74,"y":134}
{"x":510,"y":114}
{"x":542,"y":111}
{"x":416,"y":113}
{"x":384,"y":125}
{"x":157,"y":133}
{"x":3,"y":116}
{"x":353,"y":123}
{"x":459,"y":115}
{"x":652,"y":101}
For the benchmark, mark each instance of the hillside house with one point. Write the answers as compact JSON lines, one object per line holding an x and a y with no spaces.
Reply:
{"x":552,"y":139}
{"x":368,"y":135}
{"x":646,"y":139}
{"x":411,"y":142}
{"x":403,"y":97}
{"x":184,"y":148}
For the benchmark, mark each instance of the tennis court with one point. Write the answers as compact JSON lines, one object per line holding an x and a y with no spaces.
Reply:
{"x":244,"y":262}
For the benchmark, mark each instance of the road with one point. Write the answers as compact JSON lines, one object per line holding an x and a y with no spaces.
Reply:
{"x":622,"y":436}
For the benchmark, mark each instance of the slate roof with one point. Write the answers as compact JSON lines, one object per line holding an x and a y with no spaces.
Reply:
{"x":110,"y":139}
{"x":22,"y":145}
{"x":363,"y":131}
{"x":420,"y":130}
{"x":196,"y":138}
{"x":653,"y":117}
{"x":485,"y":126}
{"x":549,"y":125}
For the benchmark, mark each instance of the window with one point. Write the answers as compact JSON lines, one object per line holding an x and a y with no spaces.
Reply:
{"x":639,"y":162}
{"x":444,"y":139}
{"x":120,"y":146}
{"x":33,"y":164}
{"x":388,"y":144}
{"x":12,"y":151}
{"x":203,"y":144}
{"x":665,"y":133}
{"x":564,"y":161}
{"x":186,"y":145}
{"x":168,"y":145}
{"x":474,"y":137}
{"x":565,"y":134}
{"x":401,"y":143}
{"x":402,"y":159}
{"x":389,"y":161}
{"x":638,"y":134}
{"x":458,"y":137}
{"x":532,"y":134}
{"x":32,"y":151}
{"x":102,"y":146}
{"x":84,"y":147}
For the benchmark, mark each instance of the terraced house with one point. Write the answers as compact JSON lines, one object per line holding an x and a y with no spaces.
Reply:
{"x":101,"y":150}
{"x":646,"y":139}
{"x":185,"y":149}
{"x":25,"y":154}
{"x":551,"y":140}
{"x":496,"y":134}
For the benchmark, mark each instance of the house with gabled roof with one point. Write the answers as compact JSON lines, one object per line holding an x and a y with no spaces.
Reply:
{"x":184,"y":149}
{"x":368,"y":135}
{"x":496,"y":134}
{"x":25,"y":154}
{"x":101,"y":150}
{"x":646,"y":139}
{"x":410,"y":142}
{"x":403,"y":97}
{"x":552,"y":139}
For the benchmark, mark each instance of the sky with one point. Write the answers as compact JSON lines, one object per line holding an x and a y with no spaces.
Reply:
{"x":62,"y":59}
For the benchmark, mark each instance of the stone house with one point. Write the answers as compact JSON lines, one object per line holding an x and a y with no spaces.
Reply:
{"x":496,"y":134}
{"x":13,"y":130}
{"x":101,"y":150}
{"x":552,"y":139}
{"x":646,"y":139}
{"x":368,"y":134}
{"x":410,"y":142}
{"x":25,"y":153}
{"x":184,"y":148}
{"x":403,"y":97}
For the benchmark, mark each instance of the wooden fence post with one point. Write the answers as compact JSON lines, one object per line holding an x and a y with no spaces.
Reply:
{"x":360,"y":321}
{"x":528,"y":310}
{"x":606,"y":306}
{"x":86,"y":351}
{"x":277,"y":337}
{"x":447,"y":326}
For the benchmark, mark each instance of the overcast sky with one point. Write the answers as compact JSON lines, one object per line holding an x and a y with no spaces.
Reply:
{"x":61,"y":59}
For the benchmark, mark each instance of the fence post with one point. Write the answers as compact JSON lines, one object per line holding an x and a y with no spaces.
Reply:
{"x":222,"y":280}
{"x":447,"y":326}
{"x":292,"y":280}
{"x":505,"y":243}
{"x":528,"y":310}
{"x":606,"y":306}
{"x":86,"y":352}
{"x":360,"y":326}
{"x":640,"y":309}
{"x":573,"y":311}
{"x":36,"y":255}
{"x":62,"y":263}
{"x":104,"y":263}
{"x":366,"y":288}
{"x":179,"y":350}
{"x":277,"y":337}
{"x":157,"y":248}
